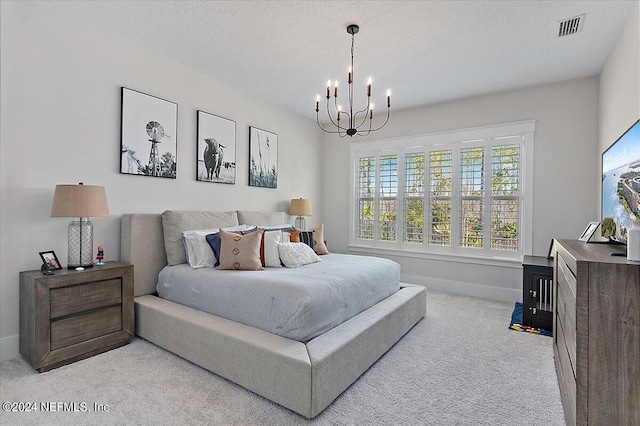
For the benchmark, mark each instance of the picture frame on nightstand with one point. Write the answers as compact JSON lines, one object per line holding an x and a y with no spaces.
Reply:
{"x":50,"y":259}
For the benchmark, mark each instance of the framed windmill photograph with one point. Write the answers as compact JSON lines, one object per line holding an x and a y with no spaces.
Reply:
{"x":149,"y":135}
{"x":216,"y":145}
{"x":263,"y":158}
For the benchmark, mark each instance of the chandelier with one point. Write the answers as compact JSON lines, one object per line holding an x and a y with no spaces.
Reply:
{"x":348,"y":122}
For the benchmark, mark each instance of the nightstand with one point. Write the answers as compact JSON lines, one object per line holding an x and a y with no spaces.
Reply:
{"x":74,"y":315}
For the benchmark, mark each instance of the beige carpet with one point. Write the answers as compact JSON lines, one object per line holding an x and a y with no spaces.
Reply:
{"x":460,"y":365}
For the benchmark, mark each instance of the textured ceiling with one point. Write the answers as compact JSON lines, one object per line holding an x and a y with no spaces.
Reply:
{"x":424,"y":51}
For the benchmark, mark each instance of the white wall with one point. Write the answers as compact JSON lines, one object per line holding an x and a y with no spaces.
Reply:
{"x":565,"y":174}
{"x":60,"y":116}
{"x":620,"y":83}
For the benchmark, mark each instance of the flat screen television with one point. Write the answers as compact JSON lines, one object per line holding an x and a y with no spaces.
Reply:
{"x":621,"y":185}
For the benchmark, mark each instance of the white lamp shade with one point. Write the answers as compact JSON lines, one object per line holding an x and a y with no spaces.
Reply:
{"x":79,"y":201}
{"x":300,"y":207}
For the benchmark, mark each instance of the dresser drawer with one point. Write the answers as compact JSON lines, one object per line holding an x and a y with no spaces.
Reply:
{"x":567,"y":382}
{"x":566,"y":307}
{"x":79,"y":328}
{"x":82,"y":298}
{"x":566,"y":276}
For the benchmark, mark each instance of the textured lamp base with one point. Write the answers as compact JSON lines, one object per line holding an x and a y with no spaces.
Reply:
{"x":301,"y":222}
{"x":80,"y":244}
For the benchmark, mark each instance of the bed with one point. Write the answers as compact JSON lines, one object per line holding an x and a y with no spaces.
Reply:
{"x":303,"y":376}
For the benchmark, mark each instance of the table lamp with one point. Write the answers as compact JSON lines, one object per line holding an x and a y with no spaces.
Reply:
{"x":80,"y":201}
{"x":300,"y":207}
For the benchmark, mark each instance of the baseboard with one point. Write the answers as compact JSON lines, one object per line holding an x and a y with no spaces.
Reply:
{"x":9,"y":347}
{"x":467,"y":289}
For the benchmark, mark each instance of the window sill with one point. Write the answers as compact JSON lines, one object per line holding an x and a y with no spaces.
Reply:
{"x":503,"y":262}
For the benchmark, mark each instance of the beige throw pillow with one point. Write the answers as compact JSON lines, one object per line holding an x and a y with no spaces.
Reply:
{"x":318,"y":240}
{"x":241,"y":252}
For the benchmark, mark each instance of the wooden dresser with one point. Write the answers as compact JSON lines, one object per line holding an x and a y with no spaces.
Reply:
{"x":75,"y":314}
{"x":596,"y":333}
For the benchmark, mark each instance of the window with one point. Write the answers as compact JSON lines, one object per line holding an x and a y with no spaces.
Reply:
{"x":413,"y":220}
{"x":459,"y":193}
{"x":366,"y":185}
{"x":440,"y":178}
{"x":388,"y":193}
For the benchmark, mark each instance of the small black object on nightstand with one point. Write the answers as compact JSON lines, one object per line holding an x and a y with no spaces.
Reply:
{"x":47,"y":269}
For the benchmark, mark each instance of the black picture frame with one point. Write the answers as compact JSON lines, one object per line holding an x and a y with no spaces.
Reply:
{"x":49,"y":258}
{"x":216,"y":149}
{"x":148,"y":135}
{"x":263,"y":158}
{"x":589,"y":231}
{"x":550,"y":254}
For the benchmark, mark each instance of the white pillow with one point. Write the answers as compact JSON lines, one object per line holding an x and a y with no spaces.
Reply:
{"x":297,"y":254}
{"x":199,"y":253}
{"x":270,"y":245}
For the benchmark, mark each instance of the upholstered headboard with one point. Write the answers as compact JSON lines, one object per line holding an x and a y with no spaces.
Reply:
{"x":142,"y":245}
{"x":143,"y":238}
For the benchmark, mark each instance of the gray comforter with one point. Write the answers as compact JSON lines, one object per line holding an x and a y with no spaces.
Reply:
{"x":299,"y":303}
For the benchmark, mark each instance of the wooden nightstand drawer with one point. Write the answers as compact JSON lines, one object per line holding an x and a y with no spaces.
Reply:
{"x":82,"y":298}
{"x":79,"y":328}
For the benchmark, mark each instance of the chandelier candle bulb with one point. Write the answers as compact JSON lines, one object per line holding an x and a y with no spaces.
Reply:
{"x":388,"y":98}
{"x":349,"y":79}
{"x":335,"y":94}
{"x":328,"y":89}
{"x":369,"y":87}
{"x":317,"y":103}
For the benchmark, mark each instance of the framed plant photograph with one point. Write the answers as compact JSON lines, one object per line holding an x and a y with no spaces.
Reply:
{"x":50,"y":259}
{"x":263,"y":158}
{"x":216,"y":145}
{"x":149,"y":135}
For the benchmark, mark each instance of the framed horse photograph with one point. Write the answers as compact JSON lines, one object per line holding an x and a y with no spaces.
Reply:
{"x":216,"y":145}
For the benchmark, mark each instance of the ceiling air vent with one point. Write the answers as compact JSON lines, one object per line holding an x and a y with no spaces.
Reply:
{"x":570,"y":26}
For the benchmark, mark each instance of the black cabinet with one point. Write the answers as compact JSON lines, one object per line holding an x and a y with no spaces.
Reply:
{"x":537,"y":292}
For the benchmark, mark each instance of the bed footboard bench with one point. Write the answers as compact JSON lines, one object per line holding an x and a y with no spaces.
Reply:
{"x":303,"y":378}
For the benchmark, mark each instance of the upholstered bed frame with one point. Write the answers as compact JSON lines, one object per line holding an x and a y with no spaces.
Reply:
{"x":305,"y":378}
